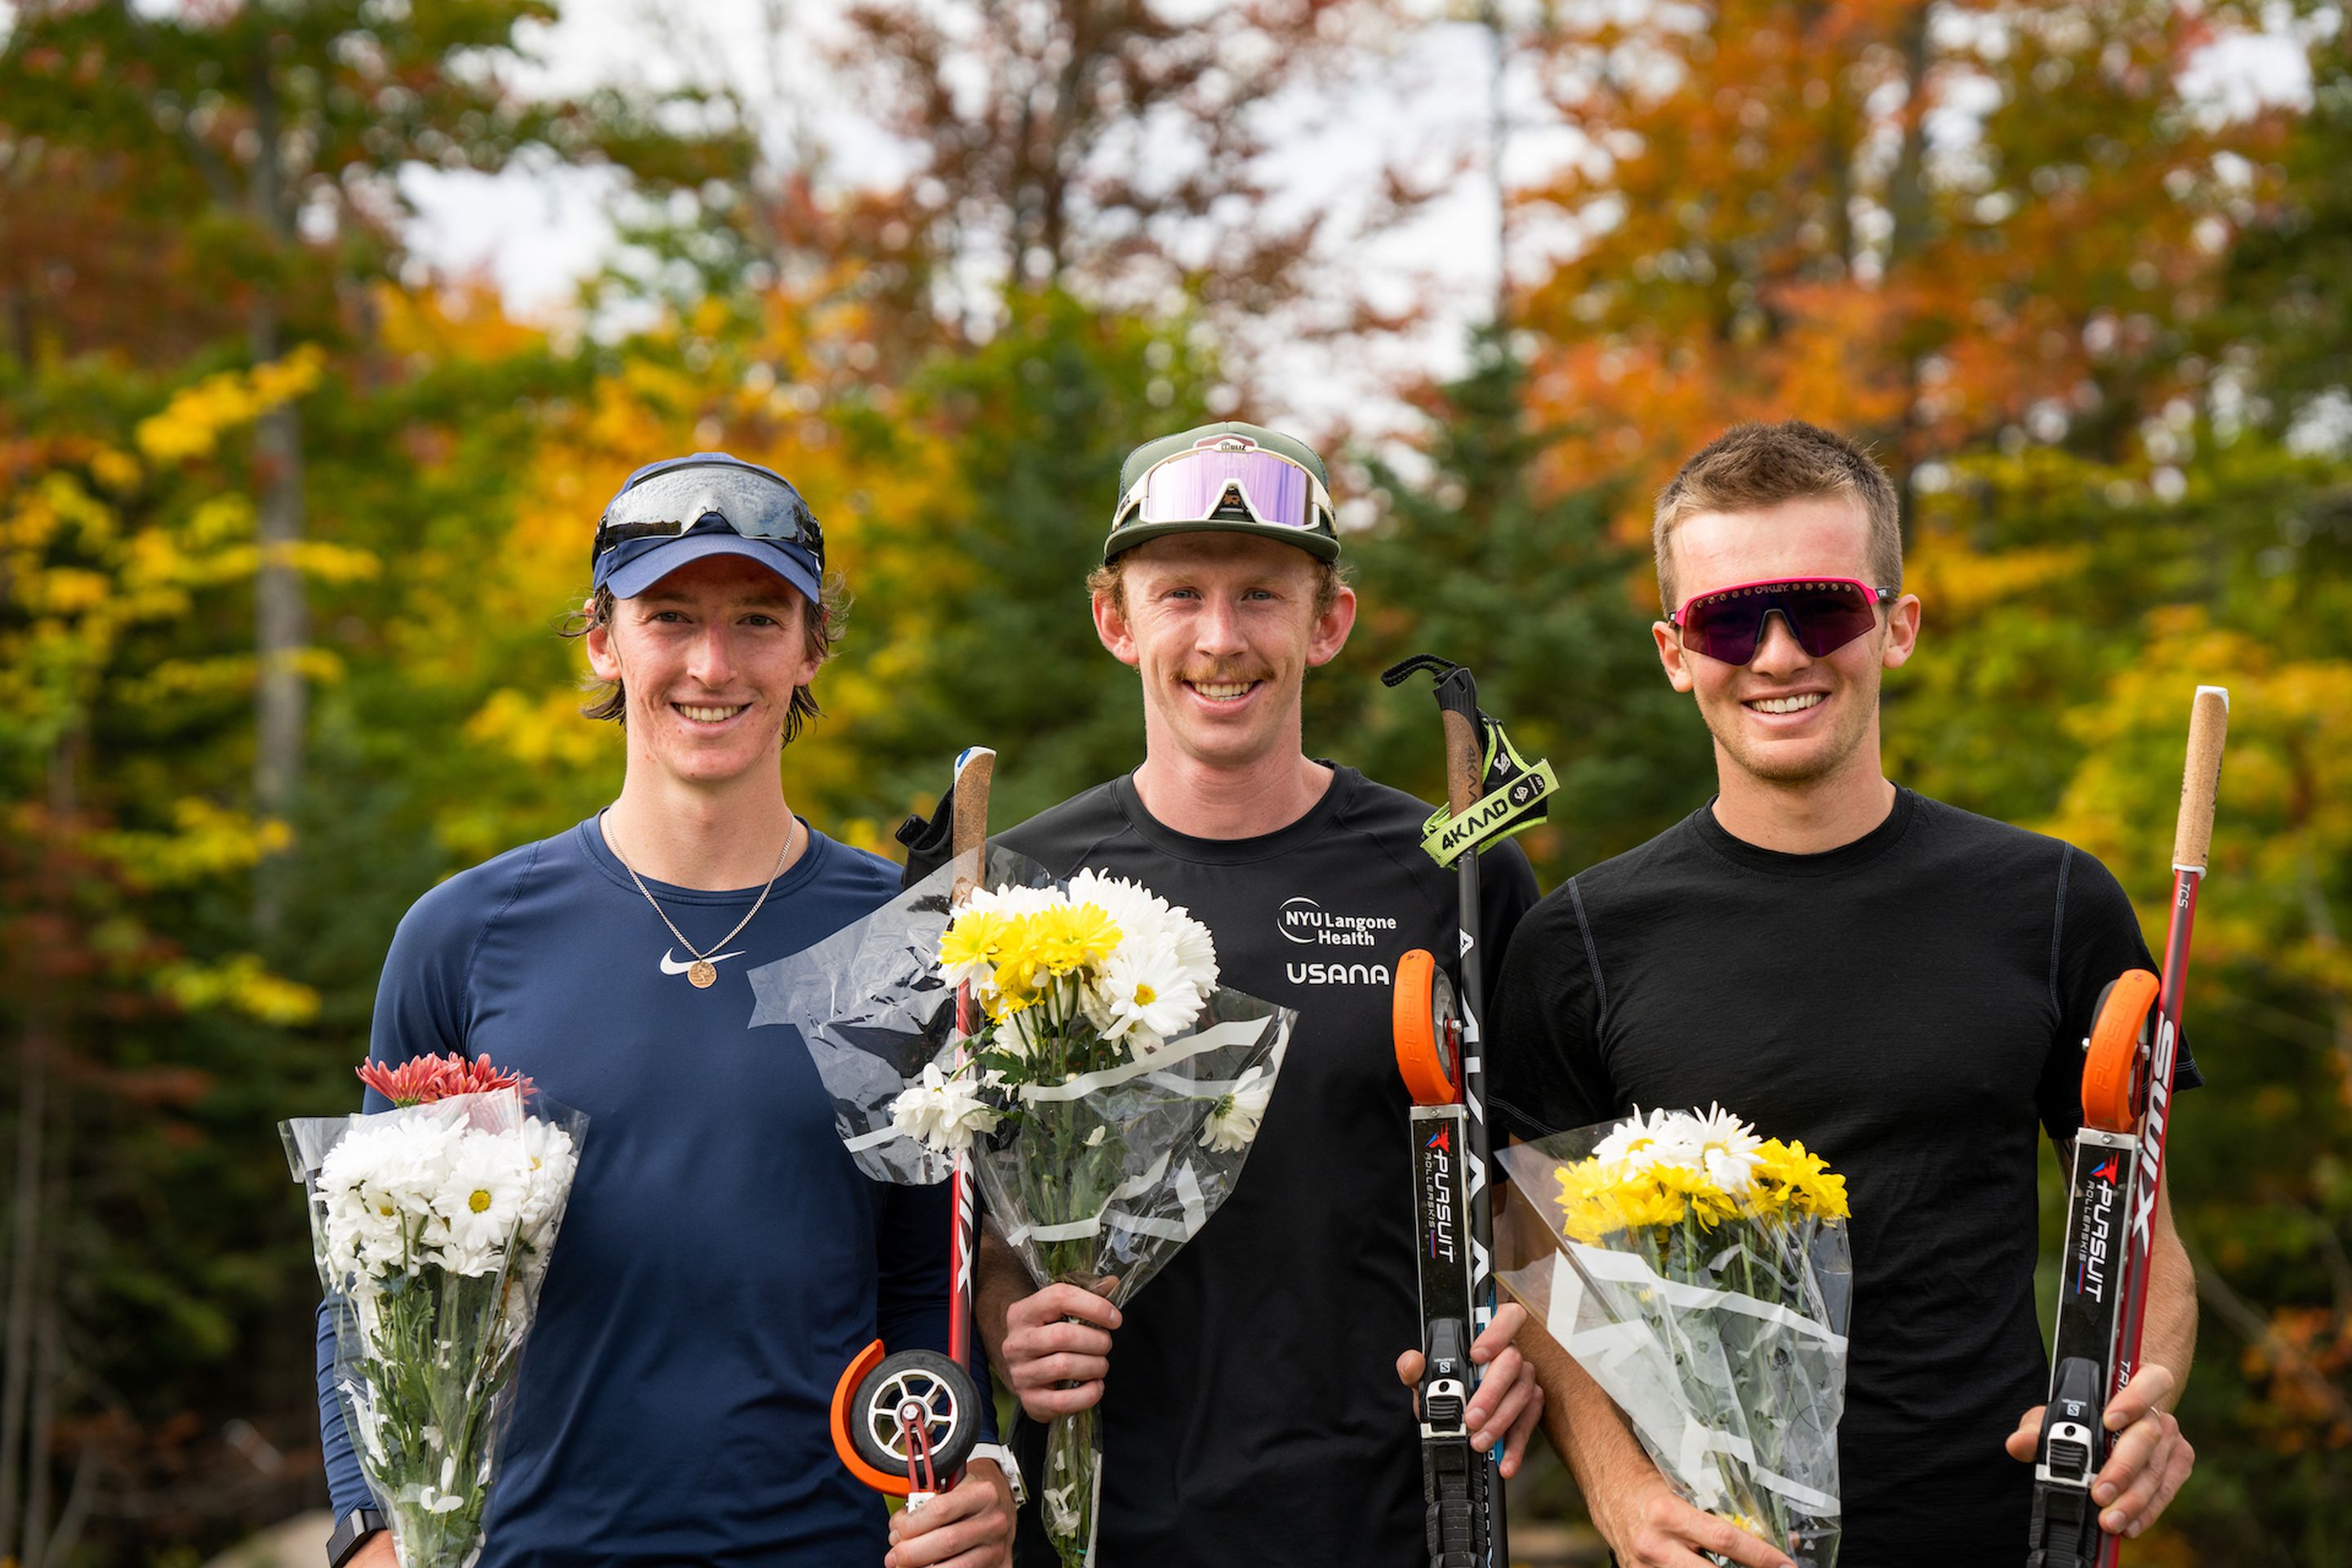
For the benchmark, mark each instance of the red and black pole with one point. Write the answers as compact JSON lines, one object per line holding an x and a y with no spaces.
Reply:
{"x":2118,"y":1173}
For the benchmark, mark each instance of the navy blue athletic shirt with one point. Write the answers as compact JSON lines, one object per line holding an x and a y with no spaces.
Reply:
{"x":721,"y":1261}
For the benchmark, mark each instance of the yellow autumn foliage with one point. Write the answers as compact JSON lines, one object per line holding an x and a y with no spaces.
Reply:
{"x":193,"y":422}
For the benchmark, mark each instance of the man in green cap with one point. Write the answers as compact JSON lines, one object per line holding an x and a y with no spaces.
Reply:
{"x":1258,"y":1418}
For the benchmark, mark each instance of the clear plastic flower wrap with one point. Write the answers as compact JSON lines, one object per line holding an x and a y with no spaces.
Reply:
{"x":1107,"y":1099}
{"x":432,"y":1225}
{"x":1701,"y":1276}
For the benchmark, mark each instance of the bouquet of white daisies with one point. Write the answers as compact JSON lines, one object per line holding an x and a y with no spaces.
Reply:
{"x":432,"y":1225}
{"x":1108,"y":1094}
{"x":1701,"y":1275}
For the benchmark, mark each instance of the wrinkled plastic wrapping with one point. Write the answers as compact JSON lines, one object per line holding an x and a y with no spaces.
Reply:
{"x":425,"y":1356}
{"x":870,"y":1005}
{"x":1098,"y":1181}
{"x":1725,"y":1348}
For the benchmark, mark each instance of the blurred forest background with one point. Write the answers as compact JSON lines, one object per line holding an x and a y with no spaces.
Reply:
{"x":287,"y":522}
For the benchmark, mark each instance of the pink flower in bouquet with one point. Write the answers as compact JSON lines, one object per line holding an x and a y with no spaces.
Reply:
{"x":425,"y":1079}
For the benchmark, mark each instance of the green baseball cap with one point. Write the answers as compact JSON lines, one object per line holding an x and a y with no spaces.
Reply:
{"x":1233,"y":479}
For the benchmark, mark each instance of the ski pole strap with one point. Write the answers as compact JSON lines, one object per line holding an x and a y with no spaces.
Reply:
{"x":1517,"y":796}
{"x":1509,"y":794}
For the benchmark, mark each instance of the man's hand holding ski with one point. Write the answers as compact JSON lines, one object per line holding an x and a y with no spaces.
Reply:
{"x":1508,"y":1402}
{"x":968,"y":1526}
{"x":2150,"y":1458}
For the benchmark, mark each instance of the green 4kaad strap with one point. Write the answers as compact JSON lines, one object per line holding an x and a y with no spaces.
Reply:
{"x":1515,"y":797}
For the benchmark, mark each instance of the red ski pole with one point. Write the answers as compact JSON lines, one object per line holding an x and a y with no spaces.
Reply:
{"x":974,"y":770}
{"x":2208,"y":728}
{"x":904,"y":1423}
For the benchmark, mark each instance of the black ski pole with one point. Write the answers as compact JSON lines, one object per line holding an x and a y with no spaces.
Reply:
{"x":1465,"y":768}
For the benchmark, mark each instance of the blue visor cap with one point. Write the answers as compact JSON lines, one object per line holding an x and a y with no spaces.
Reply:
{"x":687,"y":508}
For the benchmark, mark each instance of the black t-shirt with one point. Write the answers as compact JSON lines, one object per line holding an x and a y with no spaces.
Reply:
{"x":1911,"y":1005}
{"x":1253,"y":1413}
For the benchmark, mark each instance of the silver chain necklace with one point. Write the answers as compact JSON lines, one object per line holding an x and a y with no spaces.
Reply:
{"x":702,"y":972}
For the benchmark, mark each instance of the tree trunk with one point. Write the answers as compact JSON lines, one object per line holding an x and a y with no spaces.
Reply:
{"x":1498,"y":131}
{"x":16,"y":1382}
{"x":33,"y":1552}
{"x":1907,"y":201}
{"x":281,"y":615}
{"x":76,"y":1514}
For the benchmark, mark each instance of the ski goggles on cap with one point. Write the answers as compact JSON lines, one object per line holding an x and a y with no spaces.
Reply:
{"x":1221,"y":474}
{"x":1823,"y":614}
{"x":749,"y":500}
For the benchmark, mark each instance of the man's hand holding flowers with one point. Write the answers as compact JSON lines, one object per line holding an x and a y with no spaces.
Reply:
{"x":1056,"y":1350}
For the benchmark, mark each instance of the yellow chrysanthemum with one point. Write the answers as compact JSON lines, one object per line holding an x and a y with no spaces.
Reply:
{"x":1645,"y":1203}
{"x":1707,"y":1202}
{"x":1600,"y":1198}
{"x":999,"y":1004}
{"x":1071,"y":937}
{"x":1588,"y":1210}
{"x":1799,"y":1180}
{"x":974,"y":939}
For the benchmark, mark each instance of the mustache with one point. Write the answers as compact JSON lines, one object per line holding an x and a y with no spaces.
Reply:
{"x":1224,"y":673}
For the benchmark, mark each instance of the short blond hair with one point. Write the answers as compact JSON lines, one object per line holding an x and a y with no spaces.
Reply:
{"x":1751,"y":466}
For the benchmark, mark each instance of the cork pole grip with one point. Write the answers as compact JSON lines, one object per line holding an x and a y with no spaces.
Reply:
{"x":968,"y":831}
{"x":2208,"y":726}
{"x":1462,"y":761}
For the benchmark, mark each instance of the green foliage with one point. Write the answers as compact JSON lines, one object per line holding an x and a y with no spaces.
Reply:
{"x":2075,"y":590}
{"x":1540,"y":595}
{"x":982,"y":632}
{"x":2070,"y":617}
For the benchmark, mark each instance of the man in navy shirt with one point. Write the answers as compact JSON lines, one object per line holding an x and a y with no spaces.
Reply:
{"x":722,"y":1258}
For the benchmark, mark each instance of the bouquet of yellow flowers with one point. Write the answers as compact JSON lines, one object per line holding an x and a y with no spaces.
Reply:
{"x":1700,"y":1274}
{"x":1108,"y":1094}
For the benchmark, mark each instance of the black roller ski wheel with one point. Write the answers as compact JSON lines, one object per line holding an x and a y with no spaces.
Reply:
{"x":952,"y":1413}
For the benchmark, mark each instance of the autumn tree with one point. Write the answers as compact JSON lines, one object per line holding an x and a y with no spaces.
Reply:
{"x":279,"y":134}
{"x":1480,"y":562}
{"x":1930,"y":225}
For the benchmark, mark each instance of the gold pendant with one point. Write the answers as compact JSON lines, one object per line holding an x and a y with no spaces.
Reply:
{"x":703,"y":974}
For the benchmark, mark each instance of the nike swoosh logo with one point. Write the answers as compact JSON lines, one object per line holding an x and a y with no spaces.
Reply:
{"x":670,"y":966}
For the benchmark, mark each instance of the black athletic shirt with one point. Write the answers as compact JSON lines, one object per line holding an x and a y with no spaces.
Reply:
{"x":1253,"y":1413}
{"x":1911,"y":1005}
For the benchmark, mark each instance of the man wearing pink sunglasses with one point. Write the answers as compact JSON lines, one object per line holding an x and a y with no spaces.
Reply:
{"x":1902,"y":984}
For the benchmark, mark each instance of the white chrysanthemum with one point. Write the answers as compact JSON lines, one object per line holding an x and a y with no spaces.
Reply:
{"x":943,"y":1113}
{"x":1142,"y":916}
{"x":1016,"y":1033}
{"x":471,"y":1261}
{"x":418,"y":1154}
{"x":365,"y":1415}
{"x":1661,"y":1138}
{"x":1189,"y":941}
{"x":552,"y":1158}
{"x":481,"y":1202}
{"x":1727,"y":1147}
{"x":1142,"y":997}
{"x":379,"y":1182}
{"x":1232,"y":1125}
{"x":1012,"y":903}
{"x":363,"y":1235}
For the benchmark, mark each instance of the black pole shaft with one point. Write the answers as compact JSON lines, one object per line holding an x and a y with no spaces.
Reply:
{"x":1481,"y":1196}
